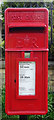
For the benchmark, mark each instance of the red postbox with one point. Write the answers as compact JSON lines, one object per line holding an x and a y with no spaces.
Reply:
{"x":26,"y":61}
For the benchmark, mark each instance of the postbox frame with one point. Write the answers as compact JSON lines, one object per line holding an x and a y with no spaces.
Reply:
{"x":7,"y":52}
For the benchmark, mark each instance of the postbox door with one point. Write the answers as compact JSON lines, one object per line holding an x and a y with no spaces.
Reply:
{"x":28,"y":101}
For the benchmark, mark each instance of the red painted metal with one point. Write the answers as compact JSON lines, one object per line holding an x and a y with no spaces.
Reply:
{"x":26,"y":29}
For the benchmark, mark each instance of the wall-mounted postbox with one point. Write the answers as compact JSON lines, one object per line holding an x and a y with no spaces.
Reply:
{"x":26,"y":61}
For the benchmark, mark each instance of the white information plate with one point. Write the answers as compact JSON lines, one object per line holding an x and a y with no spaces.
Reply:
{"x":27,"y":78}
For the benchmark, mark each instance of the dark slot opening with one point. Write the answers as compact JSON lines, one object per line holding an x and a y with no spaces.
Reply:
{"x":23,"y":29}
